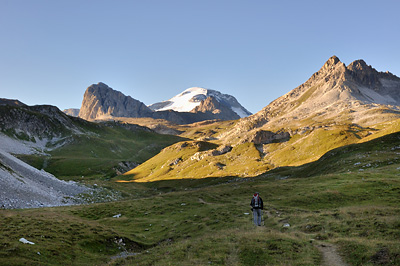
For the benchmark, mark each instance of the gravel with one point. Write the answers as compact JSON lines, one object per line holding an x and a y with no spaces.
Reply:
{"x":23,"y":186}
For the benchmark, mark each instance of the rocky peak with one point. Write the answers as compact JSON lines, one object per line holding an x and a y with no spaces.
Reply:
{"x":100,"y":101}
{"x":364,"y":74}
{"x":333,"y":60}
{"x":208,"y":104}
{"x":330,"y":64}
{"x":333,"y":92}
{"x":358,"y":65}
{"x":212,"y":105}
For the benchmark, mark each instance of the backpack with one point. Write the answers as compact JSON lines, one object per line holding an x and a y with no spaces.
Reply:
{"x":256,"y":200}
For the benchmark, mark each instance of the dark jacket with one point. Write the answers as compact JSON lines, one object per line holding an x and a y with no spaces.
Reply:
{"x":260,"y":203}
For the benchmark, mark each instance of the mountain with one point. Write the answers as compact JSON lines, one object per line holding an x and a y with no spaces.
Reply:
{"x":335,"y":94}
{"x":72,"y":112}
{"x":337,"y":106}
{"x":101,"y":102}
{"x":40,"y":144}
{"x":339,"y":202}
{"x":11,"y":102}
{"x":191,"y":98}
{"x":27,"y":130}
{"x":218,"y":109}
{"x":40,"y":123}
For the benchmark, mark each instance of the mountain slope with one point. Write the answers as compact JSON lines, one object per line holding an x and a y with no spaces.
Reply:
{"x":23,"y":186}
{"x":69,"y":148}
{"x":334,"y":92}
{"x":337,"y":106}
{"x":192,"y":98}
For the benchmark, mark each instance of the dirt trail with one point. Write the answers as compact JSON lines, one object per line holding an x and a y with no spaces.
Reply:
{"x":330,"y":255}
{"x":202,"y":201}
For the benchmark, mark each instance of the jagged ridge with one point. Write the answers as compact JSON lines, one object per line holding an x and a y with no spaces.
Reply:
{"x":332,"y":93}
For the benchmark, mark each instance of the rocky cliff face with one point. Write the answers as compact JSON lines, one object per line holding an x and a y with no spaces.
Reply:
{"x":375,"y":87}
{"x":100,"y":101}
{"x":213,"y":107}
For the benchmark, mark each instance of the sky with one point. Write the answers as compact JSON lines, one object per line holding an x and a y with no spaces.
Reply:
{"x":257,"y":50}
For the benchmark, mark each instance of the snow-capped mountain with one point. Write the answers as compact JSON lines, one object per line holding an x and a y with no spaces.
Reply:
{"x":100,"y":102}
{"x":192,"y":97}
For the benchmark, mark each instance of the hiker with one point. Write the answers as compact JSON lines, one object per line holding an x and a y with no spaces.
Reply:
{"x":256,"y":207}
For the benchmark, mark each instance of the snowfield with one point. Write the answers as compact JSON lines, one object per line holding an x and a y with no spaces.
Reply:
{"x":192,"y":97}
{"x":183,"y":102}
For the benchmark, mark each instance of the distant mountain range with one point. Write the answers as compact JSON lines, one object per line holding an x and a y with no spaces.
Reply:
{"x":337,"y":106}
{"x":72,"y":111}
{"x":100,"y":102}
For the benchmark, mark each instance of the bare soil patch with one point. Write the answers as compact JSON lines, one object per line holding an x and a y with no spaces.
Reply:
{"x":330,"y":255}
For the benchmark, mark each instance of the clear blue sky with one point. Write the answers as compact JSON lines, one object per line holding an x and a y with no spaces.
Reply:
{"x":52,"y":50}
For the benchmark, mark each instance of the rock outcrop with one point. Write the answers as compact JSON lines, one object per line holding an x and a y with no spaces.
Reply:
{"x":100,"y":101}
{"x":266,"y":137}
{"x":215,"y":108}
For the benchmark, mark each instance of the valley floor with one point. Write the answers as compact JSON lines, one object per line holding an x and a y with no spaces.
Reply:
{"x":348,"y":201}
{"x":357,"y":213}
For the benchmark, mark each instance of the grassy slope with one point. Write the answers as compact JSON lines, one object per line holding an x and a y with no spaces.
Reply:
{"x":92,"y":150}
{"x":349,"y":197}
{"x":245,"y":159}
{"x":241,"y":160}
{"x":97,"y":154}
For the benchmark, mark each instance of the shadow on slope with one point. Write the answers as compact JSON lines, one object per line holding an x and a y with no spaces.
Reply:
{"x":350,"y":198}
{"x":370,"y":155}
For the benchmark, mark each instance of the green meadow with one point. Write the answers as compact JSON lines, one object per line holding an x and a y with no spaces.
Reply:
{"x":348,"y":198}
